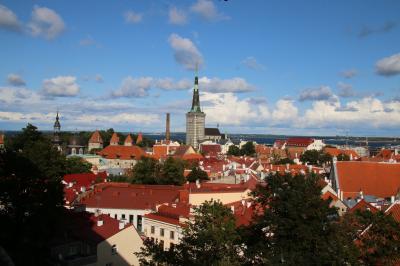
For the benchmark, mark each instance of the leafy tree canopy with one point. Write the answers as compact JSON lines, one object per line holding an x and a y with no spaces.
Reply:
{"x":315,"y":157}
{"x":76,"y":165}
{"x":197,"y":174}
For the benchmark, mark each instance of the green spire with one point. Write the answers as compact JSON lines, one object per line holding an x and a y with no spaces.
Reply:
{"x":196,"y":98}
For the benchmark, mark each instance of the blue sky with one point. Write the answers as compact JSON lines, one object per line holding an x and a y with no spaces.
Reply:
{"x":278,"y":67}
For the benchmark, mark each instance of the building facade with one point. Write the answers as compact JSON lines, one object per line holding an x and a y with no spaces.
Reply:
{"x":195,"y":119}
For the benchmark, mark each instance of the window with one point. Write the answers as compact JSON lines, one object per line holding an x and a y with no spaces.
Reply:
{"x":162,"y":244}
{"x":161,"y":231}
{"x":172,"y":234}
{"x":131,"y":218}
{"x":115,"y":216}
{"x":171,"y":245}
{"x":152,"y":229}
{"x":123,"y":217}
{"x":139,"y":223}
{"x":113,"y":249}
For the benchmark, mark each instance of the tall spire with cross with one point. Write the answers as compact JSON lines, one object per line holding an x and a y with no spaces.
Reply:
{"x":196,"y":98}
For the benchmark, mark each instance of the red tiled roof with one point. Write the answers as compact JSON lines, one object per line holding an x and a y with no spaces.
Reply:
{"x":160,"y":151}
{"x":279,"y":143}
{"x":157,"y":217}
{"x":122,"y":152}
{"x":139,"y":138}
{"x":84,"y":179}
{"x":127,"y":196}
{"x":212,"y":149}
{"x":170,"y":213}
{"x":328,"y":195}
{"x":96,"y":138}
{"x":299,"y":142}
{"x":192,"y":156}
{"x":242,"y":212}
{"x":336,"y":152}
{"x":373,"y":178}
{"x":221,"y":187}
{"x":114,"y":138}
{"x":128,"y":139}
{"x":362,"y":205}
{"x":394,"y":210}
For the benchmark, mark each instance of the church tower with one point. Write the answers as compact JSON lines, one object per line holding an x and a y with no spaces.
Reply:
{"x":195,"y":119}
{"x":56,"y":133}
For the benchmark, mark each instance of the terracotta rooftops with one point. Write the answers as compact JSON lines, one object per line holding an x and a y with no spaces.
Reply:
{"x":96,"y":138}
{"x":170,"y":213}
{"x":127,"y":196}
{"x":128,"y":140}
{"x":373,"y":178}
{"x":122,"y":152}
{"x":299,"y":142}
{"x":336,"y":152}
{"x":394,"y":210}
{"x":114,"y":139}
{"x":362,"y":205}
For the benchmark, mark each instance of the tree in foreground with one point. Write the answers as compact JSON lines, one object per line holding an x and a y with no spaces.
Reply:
{"x":76,"y":165}
{"x":295,"y":226}
{"x":377,"y":236}
{"x":234,"y":150}
{"x":315,"y":157}
{"x":248,"y":149}
{"x":210,"y":239}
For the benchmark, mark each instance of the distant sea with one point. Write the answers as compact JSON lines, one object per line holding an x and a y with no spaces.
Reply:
{"x":375,"y":142}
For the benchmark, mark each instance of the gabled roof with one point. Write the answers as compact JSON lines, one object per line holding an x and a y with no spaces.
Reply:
{"x":122,"y":152}
{"x":394,"y":210}
{"x":362,"y":205}
{"x":84,"y":179}
{"x":329,"y":195}
{"x":336,"y":152}
{"x":183,"y":150}
{"x":299,"y":142}
{"x":373,"y":178}
{"x":210,"y":148}
{"x":211,"y":131}
{"x":96,"y":138}
{"x":114,"y":138}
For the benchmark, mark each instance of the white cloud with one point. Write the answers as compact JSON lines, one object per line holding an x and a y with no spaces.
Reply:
{"x":45,"y":22}
{"x":170,"y":84}
{"x":177,"y":16}
{"x":61,"y":86}
{"x":285,"y":111}
{"x":316,"y":94}
{"x":207,"y":10}
{"x":134,"y":87}
{"x":8,"y":19}
{"x":349,"y":73}
{"x":185,"y":52}
{"x":15,"y":80}
{"x":225,"y":85}
{"x":388,"y":66}
{"x":133,"y":17}
{"x":251,"y":62}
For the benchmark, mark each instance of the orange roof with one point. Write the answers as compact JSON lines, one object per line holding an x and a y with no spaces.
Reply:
{"x":96,"y":138}
{"x":139,"y":138}
{"x":373,"y":178}
{"x":362,"y":205}
{"x":114,"y":138}
{"x":328,"y":195}
{"x":128,"y":139}
{"x":336,"y":152}
{"x":192,"y":156}
{"x":122,"y":152}
{"x":160,"y":151}
{"x":394,"y":210}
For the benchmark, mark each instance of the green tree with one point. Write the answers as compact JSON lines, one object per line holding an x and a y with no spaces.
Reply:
{"x":315,"y":157}
{"x":296,"y":226}
{"x":146,"y":171}
{"x":76,"y":165}
{"x":210,"y":239}
{"x":343,"y":157}
{"x":248,"y":149}
{"x":377,"y":234}
{"x":197,"y":174}
{"x":284,"y":161}
{"x":234,"y":150}
{"x":31,"y":202}
{"x":172,"y":172}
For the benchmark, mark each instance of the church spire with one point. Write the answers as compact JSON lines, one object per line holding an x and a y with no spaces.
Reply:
{"x":196,"y":98}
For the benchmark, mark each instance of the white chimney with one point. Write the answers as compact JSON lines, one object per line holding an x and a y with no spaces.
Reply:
{"x":70,"y":184}
{"x":392,"y":199}
{"x":233,"y":209}
{"x":248,"y":204}
{"x":243,"y":202}
{"x":121,"y":225}
{"x":198,"y":183}
{"x":99,"y":222}
{"x":83,"y":189}
{"x":287,"y":166}
{"x":243,"y":166}
{"x":361,"y":194}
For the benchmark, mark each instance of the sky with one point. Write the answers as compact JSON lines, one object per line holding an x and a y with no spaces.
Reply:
{"x":266,"y":67}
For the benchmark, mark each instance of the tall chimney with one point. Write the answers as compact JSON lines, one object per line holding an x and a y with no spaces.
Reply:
{"x":167,"y":130}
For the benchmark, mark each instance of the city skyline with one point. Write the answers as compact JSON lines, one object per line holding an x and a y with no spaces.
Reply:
{"x":318,"y":68}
